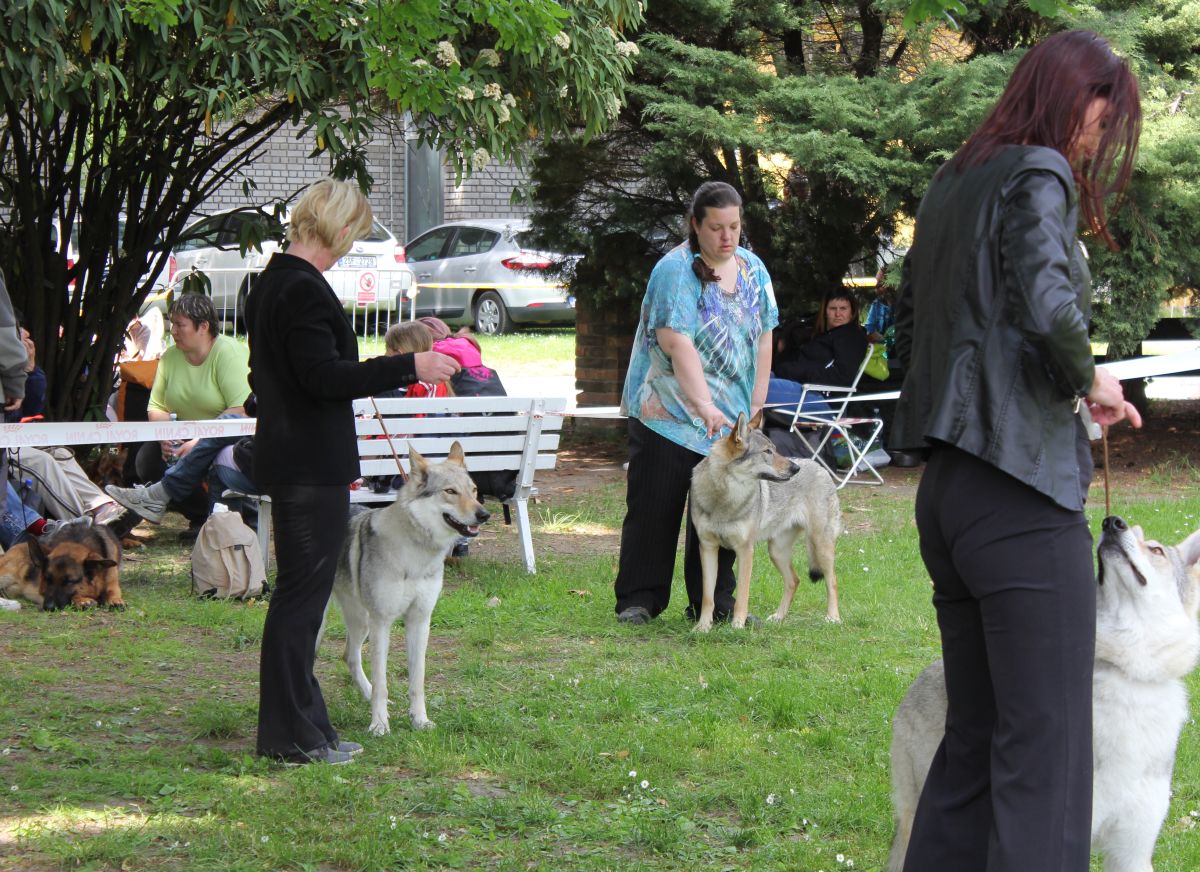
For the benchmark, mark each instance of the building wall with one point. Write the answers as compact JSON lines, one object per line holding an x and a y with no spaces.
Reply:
{"x":285,"y":166}
{"x":486,"y":194}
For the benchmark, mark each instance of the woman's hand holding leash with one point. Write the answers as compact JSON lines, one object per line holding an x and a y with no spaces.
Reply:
{"x":435,"y":367}
{"x":690,"y":374}
{"x":711,"y":418}
{"x":1106,"y":401}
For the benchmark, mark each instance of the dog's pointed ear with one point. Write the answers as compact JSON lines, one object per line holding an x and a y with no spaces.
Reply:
{"x":742,"y":431}
{"x":94,"y":562}
{"x":1189,"y":548}
{"x":456,"y":454}
{"x":37,"y":554}
{"x":417,"y":465}
{"x":756,"y":421}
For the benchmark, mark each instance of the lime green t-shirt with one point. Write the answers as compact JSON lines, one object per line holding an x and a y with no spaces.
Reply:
{"x":197,"y":393}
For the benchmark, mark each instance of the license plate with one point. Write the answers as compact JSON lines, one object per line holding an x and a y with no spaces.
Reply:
{"x":357,"y":261}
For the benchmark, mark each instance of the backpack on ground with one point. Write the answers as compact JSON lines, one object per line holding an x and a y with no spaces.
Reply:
{"x":226,"y":560}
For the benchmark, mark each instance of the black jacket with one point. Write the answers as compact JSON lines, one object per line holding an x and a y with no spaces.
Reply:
{"x":833,"y":358}
{"x":305,"y":372}
{"x":991,"y":322}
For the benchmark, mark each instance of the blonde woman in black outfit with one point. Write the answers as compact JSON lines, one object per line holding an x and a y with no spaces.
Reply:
{"x":305,"y":372}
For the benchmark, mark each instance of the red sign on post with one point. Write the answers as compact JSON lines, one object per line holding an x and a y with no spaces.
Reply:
{"x":366,"y":287}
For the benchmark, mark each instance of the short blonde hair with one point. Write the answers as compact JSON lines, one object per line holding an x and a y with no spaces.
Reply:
{"x":408,"y":337}
{"x":324,"y":210}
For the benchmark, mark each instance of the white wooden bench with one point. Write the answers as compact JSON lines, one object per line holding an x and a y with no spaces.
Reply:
{"x":497,"y":433}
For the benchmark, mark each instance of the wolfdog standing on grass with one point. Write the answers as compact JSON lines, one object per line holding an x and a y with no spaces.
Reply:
{"x":745,"y":492}
{"x":391,"y":567}
{"x":1147,"y":641}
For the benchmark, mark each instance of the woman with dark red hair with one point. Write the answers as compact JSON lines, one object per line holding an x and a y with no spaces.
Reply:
{"x":991,"y":329}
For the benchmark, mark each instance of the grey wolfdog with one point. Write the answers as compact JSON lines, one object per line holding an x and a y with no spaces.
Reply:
{"x":1147,"y":640}
{"x":745,"y":492}
{"x":391,"y":567}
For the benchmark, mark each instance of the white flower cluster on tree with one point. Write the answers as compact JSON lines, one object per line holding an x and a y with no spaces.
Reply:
{"x":489,"y":57}
{"x":562,"y":40}
{"x":480,"y":159}
{"x":446,"y":55}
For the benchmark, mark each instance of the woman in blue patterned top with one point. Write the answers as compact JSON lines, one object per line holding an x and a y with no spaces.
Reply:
{"x":701,"y":356}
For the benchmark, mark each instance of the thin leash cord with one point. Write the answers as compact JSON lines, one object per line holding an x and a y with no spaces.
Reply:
{"x":1107,"y":495}
{"x":388,"y":437}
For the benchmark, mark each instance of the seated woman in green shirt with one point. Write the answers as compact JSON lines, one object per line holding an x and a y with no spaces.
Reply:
{"x":204,"y":375}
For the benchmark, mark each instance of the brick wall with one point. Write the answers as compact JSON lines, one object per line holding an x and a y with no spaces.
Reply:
{"x":285,"y":166}
{"x":603,"y":339}
{"x":486,"y":194}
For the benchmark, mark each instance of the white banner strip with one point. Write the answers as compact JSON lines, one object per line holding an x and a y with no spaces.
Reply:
{"x":1140,"y":367}
{"x":109,"y":432}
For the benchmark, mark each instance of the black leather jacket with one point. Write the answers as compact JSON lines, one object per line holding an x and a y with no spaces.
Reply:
{"x":991,"y":322}
{"x":833,"y":358}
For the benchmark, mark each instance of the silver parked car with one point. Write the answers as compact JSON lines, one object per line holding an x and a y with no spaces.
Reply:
{"x":372,"y":277}
{"x":483,"y":273}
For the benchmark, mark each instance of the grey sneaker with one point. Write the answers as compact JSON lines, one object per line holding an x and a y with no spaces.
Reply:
{"x":52,"y":525}
{"x":332,"y":756}
{"x":139,"y":499}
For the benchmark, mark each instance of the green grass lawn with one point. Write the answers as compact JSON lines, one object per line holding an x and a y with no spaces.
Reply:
{"x":563,"y":740}
{"x":542,"y":352}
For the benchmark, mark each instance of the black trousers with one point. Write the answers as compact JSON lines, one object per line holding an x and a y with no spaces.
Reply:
{"x":310,"y":527}
{"x":660,"y":474}
{"x":1010,"y":788}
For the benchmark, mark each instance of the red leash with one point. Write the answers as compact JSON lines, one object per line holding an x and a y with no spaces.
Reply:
{"x":388,"y":437}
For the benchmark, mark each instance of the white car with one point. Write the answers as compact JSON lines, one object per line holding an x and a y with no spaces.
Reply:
{"x":372,"y":277}
{"x":160,"y":284}
{"x":484,"y":273}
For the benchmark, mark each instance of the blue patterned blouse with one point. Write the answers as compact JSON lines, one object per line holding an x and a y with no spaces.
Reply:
{"x":725,"y":329}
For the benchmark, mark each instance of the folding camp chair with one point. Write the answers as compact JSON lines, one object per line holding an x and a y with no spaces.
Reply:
{"x":834,"y":422}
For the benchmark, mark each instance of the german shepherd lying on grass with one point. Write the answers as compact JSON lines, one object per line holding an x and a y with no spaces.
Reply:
{"x":745,"y":492}
{"x":78,"y":565}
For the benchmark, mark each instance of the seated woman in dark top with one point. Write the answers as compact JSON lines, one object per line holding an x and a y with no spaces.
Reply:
{"x":831,"y":357}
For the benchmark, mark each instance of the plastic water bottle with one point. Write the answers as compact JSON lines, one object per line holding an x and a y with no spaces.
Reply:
{"x":174,"y":443}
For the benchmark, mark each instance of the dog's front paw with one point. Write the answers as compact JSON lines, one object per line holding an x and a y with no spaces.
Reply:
{"x":776,"y":618}
{"x":117,"y":603}
{"x":703,"y":625}
{"x":84,"y":602}
{"x":833,"y":618}
{"x":379,"y":727}
{"x":420,"y":722}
